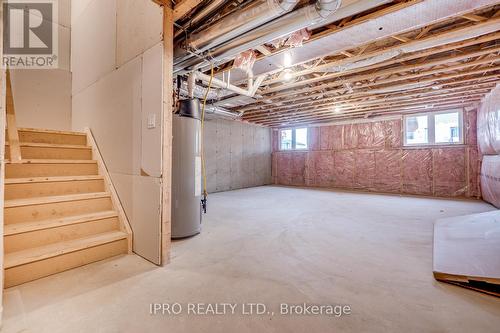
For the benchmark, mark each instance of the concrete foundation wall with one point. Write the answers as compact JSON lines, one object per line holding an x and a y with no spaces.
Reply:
{"x":117,"y":61}
{"x":238,"y":155}
{"x":42,"y":98}
{"x":370,"y":156}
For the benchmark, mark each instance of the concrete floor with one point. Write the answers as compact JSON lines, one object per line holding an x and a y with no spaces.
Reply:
{"x":273,"y":245}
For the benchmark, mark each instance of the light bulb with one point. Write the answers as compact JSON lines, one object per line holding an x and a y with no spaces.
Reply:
{"x":287,"y":59}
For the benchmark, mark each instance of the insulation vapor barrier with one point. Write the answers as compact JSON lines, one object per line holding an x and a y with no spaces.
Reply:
{"x":488,"y":124}
{"x":370,"y":156}
{"x":490,"y":179}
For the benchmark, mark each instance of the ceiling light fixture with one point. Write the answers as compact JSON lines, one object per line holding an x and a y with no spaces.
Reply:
{"x":288,"y":75}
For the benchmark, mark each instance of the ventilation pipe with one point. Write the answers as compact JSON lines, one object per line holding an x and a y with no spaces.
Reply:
{"x":222,"y":112}
{"x":301,"y":18}
{"x":209,"y":9}
{"x":257,"y":13}
{"x":250,"y":91}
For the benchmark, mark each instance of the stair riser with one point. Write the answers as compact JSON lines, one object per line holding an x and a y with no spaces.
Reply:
{"x":55,"y":210}
{"x":53,"y":138}
{"x":37,"y":238}
{"x":46,"y":153}
{"x":27,"y":170}
{"x":44,"y":189}
{"x":38,"y":269}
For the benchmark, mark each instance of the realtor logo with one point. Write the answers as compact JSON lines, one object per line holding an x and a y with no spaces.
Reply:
{"x":30,"y":34}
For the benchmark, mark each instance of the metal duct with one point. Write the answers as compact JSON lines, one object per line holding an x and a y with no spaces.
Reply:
{"x":350,"y":10}
{"x":219,"y":111}
{"x":209,"y":9}
{"x":280,"y":27}
{"x":235,"y":24}
{"x":410,"y":18}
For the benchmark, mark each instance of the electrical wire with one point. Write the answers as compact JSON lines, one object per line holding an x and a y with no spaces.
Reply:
{"x":203,"y":165}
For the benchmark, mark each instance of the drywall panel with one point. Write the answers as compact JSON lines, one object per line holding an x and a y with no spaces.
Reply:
{"x":64,"y":54}
{"x":63,"y":31}
{"x":140,"y":197}
{"x":42,"y":98}
{"x":152,"y":99}
{"x":139,"y":27}
{"x":93,"y":44}
{"x":112,"y":109}
{"x":78,"y":7}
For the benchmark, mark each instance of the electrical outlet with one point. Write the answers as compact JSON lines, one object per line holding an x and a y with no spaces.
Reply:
{"x":151,"y":121}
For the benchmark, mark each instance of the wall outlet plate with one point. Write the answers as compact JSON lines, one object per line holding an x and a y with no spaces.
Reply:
{"x":151,"y":121}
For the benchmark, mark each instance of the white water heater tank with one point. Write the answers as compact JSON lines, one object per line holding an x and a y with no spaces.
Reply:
{"x":186,"y":170}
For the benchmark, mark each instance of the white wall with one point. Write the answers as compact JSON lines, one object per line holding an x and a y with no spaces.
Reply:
{"x":42,"y":98}
{"x":238,"y":155}
{"x":116,"y":61}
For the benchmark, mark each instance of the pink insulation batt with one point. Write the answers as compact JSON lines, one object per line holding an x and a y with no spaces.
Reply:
{"x":320,"y":169}
{"x":370,"y":156}
{"x":344,"y":169}
{"x":417,"y":171}
{"x":388,"y":170}
{"x":449,"y":172}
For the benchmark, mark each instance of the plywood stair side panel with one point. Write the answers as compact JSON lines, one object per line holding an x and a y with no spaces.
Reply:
{"x":60,"y":209}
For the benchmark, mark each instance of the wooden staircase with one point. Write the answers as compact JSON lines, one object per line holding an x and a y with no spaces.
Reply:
{"x":61,"y":210}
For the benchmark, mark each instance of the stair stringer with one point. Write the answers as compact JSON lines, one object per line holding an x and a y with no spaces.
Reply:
{"x":109,"y":187}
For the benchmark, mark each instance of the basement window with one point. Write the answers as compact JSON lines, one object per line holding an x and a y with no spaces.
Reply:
{"x":436,"y":128}
{"x":293,"y":139}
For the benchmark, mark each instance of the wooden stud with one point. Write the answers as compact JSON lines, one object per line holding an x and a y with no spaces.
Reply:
{"x":168,"y":47}
{"x":13,"y":135}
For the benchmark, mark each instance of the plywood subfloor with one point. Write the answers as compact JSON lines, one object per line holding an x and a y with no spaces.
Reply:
{"x":467,"y":248}
{"x":274,"y":245}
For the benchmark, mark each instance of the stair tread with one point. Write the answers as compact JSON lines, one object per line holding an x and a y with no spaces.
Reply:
{"x":54,"y":199}
{"x":31,"y":180}
{"x":19,"y":228}
{"x":50,"y":145}
{"x":18,"y":258}
{"x":55,"y":161}
{"x":40,"y":130}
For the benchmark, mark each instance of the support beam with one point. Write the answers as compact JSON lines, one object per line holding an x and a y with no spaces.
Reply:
{"x":183,"y":7}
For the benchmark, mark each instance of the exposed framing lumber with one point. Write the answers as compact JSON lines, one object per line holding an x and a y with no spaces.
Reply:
{"x":183,"y":7}
{"x":430,"y":64}
{"x":12,"y":131}
{"x":371,"y":81}
{"x":168,"y":56}
{"x":389,"y":106}
{"x":400,"y":69}
{"x":362,"y":96}
{"x":348,"y":105}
